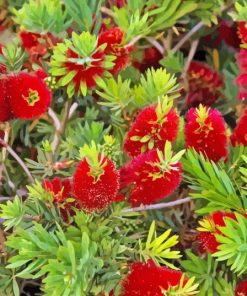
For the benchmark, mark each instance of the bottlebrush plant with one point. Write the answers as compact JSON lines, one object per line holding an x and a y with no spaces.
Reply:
{"x":123,"y":148}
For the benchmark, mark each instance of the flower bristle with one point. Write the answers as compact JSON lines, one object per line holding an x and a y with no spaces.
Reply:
{"x":239,"y":135}
{"x":5,"y":110}
{"x":114,"y":39}
{"x":204,"y":85}
{"x":153,"y":126}
{"x":242,"y":32}
{"x":95,"y":181}
{"x":209,"y":227}
{"x":151,"y":176}
{"x":149,"y":279}
{"x":241,"y":288}
{"x":79,"y":62}
{"x":29,"y":95}
{"x":205,"y":131}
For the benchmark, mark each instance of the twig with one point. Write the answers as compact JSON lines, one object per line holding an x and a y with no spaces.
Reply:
{"x":107,"y":11}
{"x":159,"y":206}
{"x":191,"y":54}
{"x":187,"y":36}
{"x":55,"y":119}
{"x":59,"y":125}
{"x":18,"y":159}
{"x":72,"y":109}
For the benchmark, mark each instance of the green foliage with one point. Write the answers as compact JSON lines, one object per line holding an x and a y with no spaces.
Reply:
{"x":210,"y":280}
{"x":154,"y":84}
{"x":188,"y":289}
{"x":241,"y":11}
{"x":174,"y":63}
{"x":117,"y":93}
{"x":84,"y":45}
{"x":209,"y":10}
{"x":42,"y":17}
{"x":85,"y":14}
{"x":158,"y":248}
{"x":12,"y":213}
{"x":212,"y":184}
{"x":233,"y":244}
{"x":13,"y":57}
{"x":79,"y":134}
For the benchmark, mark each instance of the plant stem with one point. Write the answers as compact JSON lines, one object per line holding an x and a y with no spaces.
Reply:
{"x":159,"y":206}
{"x":59,"y":125}
{"x":18,"y":159}
{"x":187,"y":36}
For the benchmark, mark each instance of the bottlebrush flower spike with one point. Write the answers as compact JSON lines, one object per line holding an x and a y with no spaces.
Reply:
{"x":152,"y":176}
{"x":153,"y":126}
{"x":95,"y":180}
{"x":29,"y":95}
{"x":241,"y":79}
{"x":239,"y":135}
{"x":204,"y":84}
{"x":149,"y":279}
{"x":151,"y":57}
{"x":114,"y":38}
{"x":60,"y":188}
{"x":241,"y":288}
{"x":209,"y":228}
{"x":5,"y":110}
{"x":205,"y":131}
{"x":242,"y":32}
{"x":78,"y":63}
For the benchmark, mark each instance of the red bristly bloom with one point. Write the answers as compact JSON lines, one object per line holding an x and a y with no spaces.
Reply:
{"x":149,"y":279}
{"x":114,"y":38}
{"x":95,"y":186}
{"x":150,"y":178}
{"x":242,"y":32}
{"x":241,"y":288}
{"x":151,"y":57}
{"x":60,"y":188}
{"x":205,"y":131}
{"x":210,"y":227}
{"x":239,"y":135}
{"x":5,"y":110}
{"x":204,"y":84}
{"x":241,"y":79}
{"x":29,"y":95}
{"x":151,"y":129}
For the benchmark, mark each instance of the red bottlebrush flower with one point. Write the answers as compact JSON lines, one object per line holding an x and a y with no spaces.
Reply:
{"x":149,"y":279}
{"x":153,"y":126}
{"x":60,"y":188}
{"x":228,"y":33}
{"x":151,"y":176}
{"x":122,"y":53}
{"x":205,"y":131}
{"x":114,"y":39}
{"x":241,"y":80}
{"x":79,"y":67}
{"x":95,"y":181}
{"x":31,"y":43}
{"x":210,"y":227}
{"x":204,"y":84}
{"x":242,"y":60}
{"x":150,"y":58}
{"x":29,"y":96}
{"x":5,"y":110}
{"x":239,"y":135}
{"x":242,"y":32}
{"x":241,"y":288}
{"x":41,"y":73}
